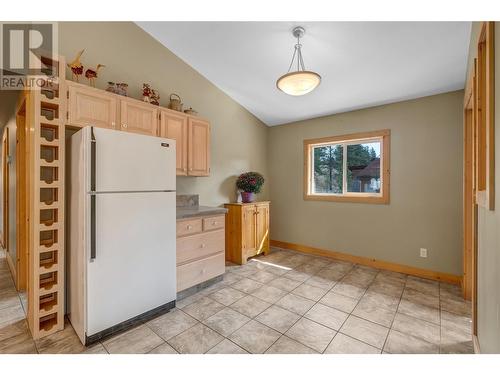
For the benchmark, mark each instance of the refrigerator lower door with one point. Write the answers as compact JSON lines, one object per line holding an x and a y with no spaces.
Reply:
{"x":134,"y":269}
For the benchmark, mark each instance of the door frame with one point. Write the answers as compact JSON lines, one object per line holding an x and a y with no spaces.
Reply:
{"x":5,"y":191}
{"x":470,"y":160}
{"x":22,"y":194}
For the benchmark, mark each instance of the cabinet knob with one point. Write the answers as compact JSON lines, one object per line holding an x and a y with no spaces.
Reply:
{"x":113,"y":124}
{"x":203,"y":245}
{"x":214,"y":223}
{"x":189,"y":227}
{"x":124,"y":125}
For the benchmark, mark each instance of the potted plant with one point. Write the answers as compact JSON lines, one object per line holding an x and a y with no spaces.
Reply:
{"x":250,"y":183}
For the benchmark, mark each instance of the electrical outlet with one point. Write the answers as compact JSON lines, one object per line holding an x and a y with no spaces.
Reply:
{"x":423,"y":253}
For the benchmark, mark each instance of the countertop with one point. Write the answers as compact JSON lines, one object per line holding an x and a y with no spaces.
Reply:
{"x":186,"y":212}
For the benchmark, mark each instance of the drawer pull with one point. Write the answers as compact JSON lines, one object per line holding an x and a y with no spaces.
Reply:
{"x":214,"y":223}
{"x":203,"y":245}
{"x":189,"y":227}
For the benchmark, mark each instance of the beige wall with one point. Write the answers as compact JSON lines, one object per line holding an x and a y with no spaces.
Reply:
{"x":426,"y":186}
{"x":239,"y":140}
{"x":488,"y":300}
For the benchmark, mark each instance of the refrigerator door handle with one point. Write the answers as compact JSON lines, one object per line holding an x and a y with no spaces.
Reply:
{"x":92,"y":227}
{"x":92,"y":196}
{"x":92,"y":160}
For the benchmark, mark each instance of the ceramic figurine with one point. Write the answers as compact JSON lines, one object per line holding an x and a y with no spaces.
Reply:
{"x":91,"y":74}
{"x":146,"y":92}
{"x":155,"y":97}
{"x":76,"y":66}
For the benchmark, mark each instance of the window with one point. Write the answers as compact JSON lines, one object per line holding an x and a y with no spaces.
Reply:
{"x":349,"y":168}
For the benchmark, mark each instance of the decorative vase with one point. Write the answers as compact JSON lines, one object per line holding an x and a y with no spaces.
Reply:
{"x":247,"y":197}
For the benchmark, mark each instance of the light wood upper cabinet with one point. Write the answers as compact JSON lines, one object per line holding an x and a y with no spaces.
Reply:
{"x":89,"y":106}
{"x":174,"y":125}
{"x":138,"y":117}
{"x":198,"y":147}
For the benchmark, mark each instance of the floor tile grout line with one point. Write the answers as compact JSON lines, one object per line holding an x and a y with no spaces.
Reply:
{"x":392,"y":323}
{"x":349,"y":315}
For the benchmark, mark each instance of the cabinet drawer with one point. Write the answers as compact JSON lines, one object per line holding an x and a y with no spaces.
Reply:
{"x":188,"y":227}
{"x":212,"y":223}
{"x":199,"y":246}
{"x":199,"y":271}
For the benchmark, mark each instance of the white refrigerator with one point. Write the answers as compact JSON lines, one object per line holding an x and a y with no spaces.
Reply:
{"x":122,"y":204}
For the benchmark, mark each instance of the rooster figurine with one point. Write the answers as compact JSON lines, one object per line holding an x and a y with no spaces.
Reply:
{"x":91,"y":74}
{"x":76,"y":66}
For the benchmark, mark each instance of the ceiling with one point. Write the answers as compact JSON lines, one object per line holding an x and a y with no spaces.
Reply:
{"x":362,"y":64}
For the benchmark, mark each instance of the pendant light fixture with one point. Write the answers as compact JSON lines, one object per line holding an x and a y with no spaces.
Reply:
{"x":301,"y":81}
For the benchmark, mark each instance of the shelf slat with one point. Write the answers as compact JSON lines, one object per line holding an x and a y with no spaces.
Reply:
{"x":44,"y":142}
{"x":52,"y":226}
{"x":54,"y":184}
{"x":52,"y":268}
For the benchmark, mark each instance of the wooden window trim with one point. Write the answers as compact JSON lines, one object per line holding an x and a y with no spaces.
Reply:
{"x":485,"y":117}
{"x":382,"y":198}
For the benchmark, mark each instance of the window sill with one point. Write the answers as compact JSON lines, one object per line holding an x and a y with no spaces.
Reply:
{"x":348,"y":198}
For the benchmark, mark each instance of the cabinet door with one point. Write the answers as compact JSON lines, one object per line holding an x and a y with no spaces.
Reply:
{"x":138,"y":117}
{"x":175,"y":126}
{"x":249,"y":231}
{"x":198,"y":147}
{"x":262,"y":228}
{"x":89,"y":106}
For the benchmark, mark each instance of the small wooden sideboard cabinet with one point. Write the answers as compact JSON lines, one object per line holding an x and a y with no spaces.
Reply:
{"x":247,"y":230}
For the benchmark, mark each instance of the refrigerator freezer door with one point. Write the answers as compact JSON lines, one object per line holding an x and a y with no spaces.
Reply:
{"x":131,"y":162}
{"x":134,"y":269}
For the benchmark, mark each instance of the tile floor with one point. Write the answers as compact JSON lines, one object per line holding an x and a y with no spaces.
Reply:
{"x":283,"y":303}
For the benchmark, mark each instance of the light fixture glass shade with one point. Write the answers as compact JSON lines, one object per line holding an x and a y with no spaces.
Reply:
{"x":298,"y":83}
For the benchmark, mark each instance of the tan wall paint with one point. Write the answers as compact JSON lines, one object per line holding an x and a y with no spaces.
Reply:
{"x":426,"y":186}
{"x":488,"y":299}
{"x":239,"y":140}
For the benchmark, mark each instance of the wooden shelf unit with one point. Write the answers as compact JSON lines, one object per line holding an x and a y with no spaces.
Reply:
{"x":46,"y":209}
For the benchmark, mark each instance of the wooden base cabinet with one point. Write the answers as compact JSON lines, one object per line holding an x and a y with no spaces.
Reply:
{"x":247,"y":230}
{"x":200,"y":250}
